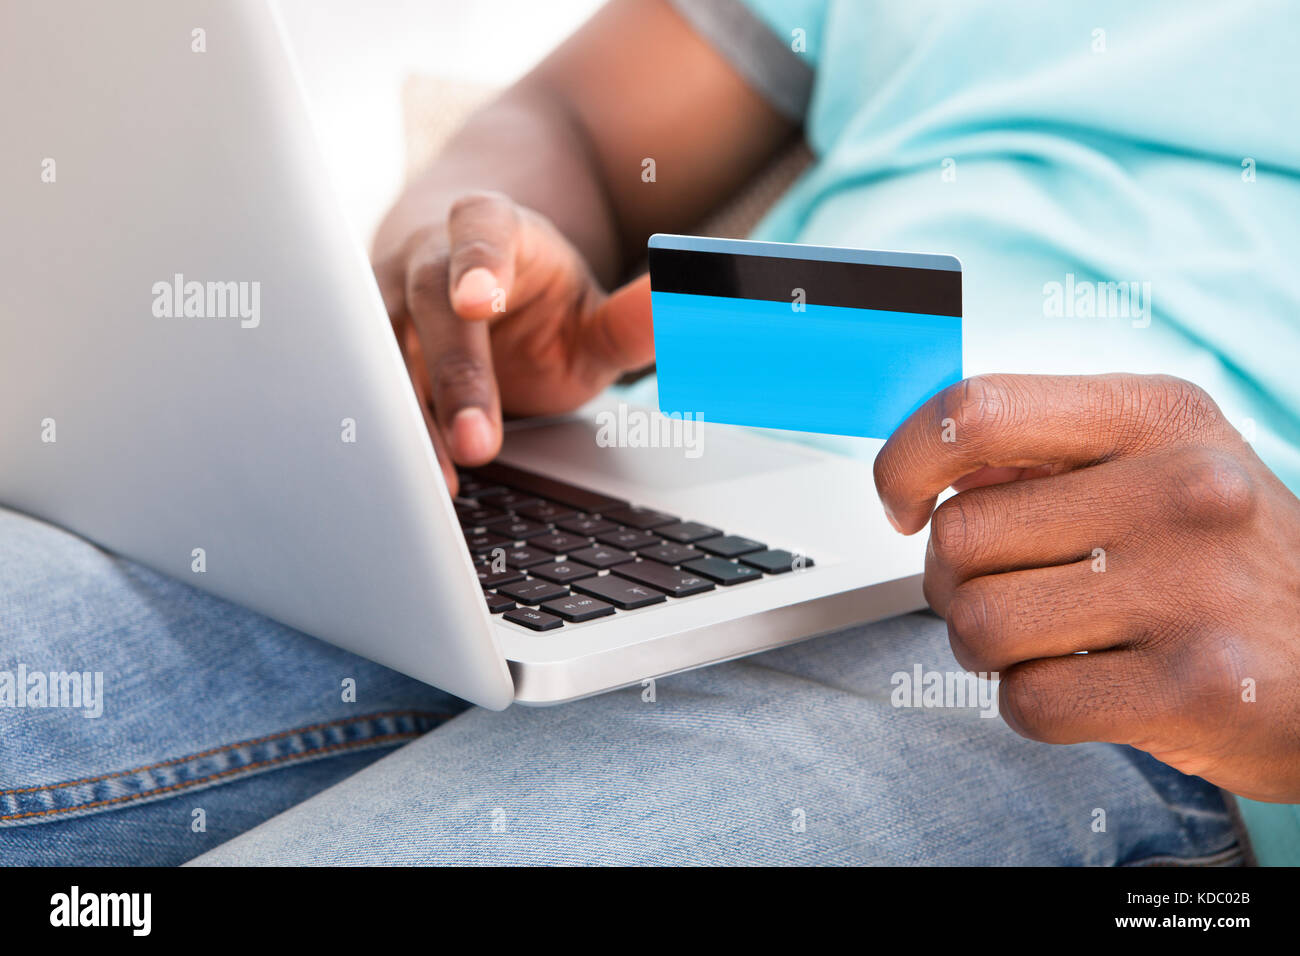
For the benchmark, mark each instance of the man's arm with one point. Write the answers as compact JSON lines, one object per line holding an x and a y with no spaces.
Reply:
{"x":568,"y":140}
{"x":494,"y":263}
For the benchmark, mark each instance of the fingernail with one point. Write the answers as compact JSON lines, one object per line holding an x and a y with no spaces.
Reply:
{"x":475,"y":286}
{"x":471,"y":433}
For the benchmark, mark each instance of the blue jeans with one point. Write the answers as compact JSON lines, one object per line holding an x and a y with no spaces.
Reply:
{"x":226,"y":738}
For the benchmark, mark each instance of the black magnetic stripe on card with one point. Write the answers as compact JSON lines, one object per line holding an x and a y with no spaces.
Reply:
{"x":852,"y":285}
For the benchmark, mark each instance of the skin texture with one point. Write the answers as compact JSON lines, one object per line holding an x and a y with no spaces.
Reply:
{"x":1200,"y":590}
{"x":538,"y":205}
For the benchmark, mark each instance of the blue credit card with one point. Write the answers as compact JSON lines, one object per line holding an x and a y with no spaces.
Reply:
{"x":809,"y":338}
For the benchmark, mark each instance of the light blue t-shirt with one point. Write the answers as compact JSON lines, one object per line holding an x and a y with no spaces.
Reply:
{"x":1121,"y":182}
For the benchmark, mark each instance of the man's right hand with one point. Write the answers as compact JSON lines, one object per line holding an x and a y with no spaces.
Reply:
{"x":497,"y":312}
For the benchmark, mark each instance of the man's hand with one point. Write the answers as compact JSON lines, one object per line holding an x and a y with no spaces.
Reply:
{"x":498,"y":302}
{"x":496,"y":311}
{"x":1123,"y":516}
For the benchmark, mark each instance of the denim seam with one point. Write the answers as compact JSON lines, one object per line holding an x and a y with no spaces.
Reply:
{"x":211,"y":767}
{"x":226,"y":747}
{"x":1230,"y":856}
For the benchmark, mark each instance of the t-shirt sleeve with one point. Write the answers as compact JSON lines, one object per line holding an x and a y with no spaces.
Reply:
{"x":769,"y":42}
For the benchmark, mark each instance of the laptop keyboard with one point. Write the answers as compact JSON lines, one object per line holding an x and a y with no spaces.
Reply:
{"x":549,"y":553}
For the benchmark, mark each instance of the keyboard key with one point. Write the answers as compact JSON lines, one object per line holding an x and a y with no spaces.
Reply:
{"x":577,"y":608}
{"x":519,"y":528}
{"x":482,"y":541}
{"x":669,"y":553}
{"x":723,"y":571}
{"x":547,"y":512}
{"x":584,"y":499}
{"x":561,"y":572}
{"x":534,"y":591}
{"x":586,"y":524}
{"x":533,"y":619}
{"x":640,"y":518}
{"x":472,"y":489}
{"x":600,"y":556}
{"x":620,"y":592}
{"x":527,"y":557}
{"x":728,"y":545}
{"x":491,"y":579}
{"x":628,"y":538}
{"x":774,"y":561}
{"x":498,"y":602}
{"x":684,"y":532}
{"x":509,"y":500}
{"x":558,"y":542}
{"x":676,"y":583}
{"x":481,"y":517}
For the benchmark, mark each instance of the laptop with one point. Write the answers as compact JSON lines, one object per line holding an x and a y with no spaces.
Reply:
{"x":197,"y":372}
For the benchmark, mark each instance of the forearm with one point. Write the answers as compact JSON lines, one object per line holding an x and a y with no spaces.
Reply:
{"x":570,"y":138}
{"x":528,"y":145}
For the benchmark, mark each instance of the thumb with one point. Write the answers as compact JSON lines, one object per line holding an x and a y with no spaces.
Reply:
{"x":624,"y":328}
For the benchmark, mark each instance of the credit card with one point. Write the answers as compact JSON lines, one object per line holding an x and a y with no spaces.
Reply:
{"x":808,"y":338}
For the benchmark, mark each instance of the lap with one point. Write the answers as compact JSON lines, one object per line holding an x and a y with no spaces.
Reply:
{"x":793,"y":756}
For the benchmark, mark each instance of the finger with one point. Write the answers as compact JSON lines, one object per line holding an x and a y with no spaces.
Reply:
{"x":997,"y":476}
{"x":448,"y":467}
{"x":458,"y":358}
{"x":390,"y":276}
{"x":1049,"y":423}
{"x":619,"y":334}
{"x":1130,"y":697}
{"x":1064,"y":518}
{"x":416,"y":366}
{"x":390,"y":280}
{"x":392,"y":290}
{"x":1000,"y":620}
{"x":483,"y":237}
{"x":418,"y":372}
{"x":1112,"y":514}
